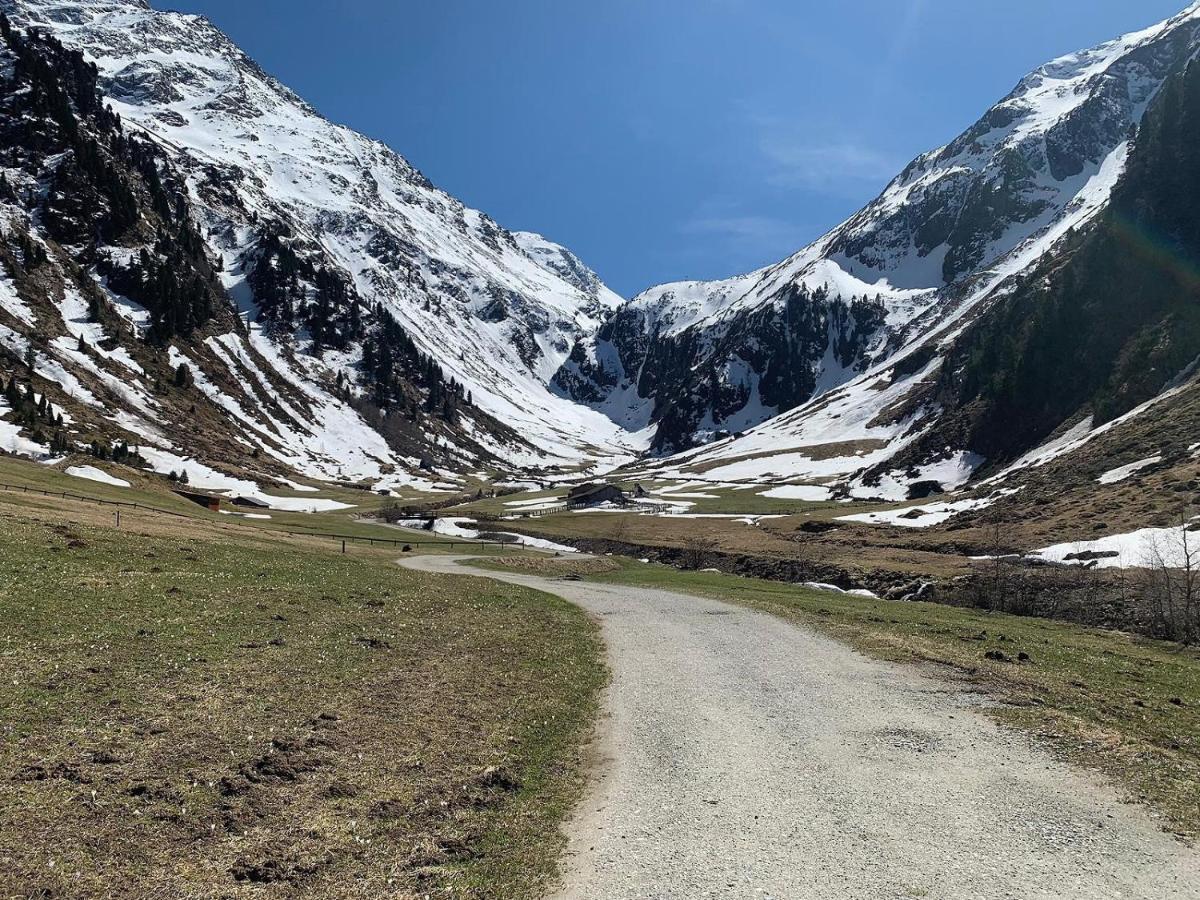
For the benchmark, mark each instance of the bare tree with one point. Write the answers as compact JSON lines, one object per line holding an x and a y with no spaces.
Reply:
{"x":1081,"y":585}
{"x":995,"y":583}
{"x":620,"y":528}
{"x":1172,"y":581}
{"x":695,"y":552}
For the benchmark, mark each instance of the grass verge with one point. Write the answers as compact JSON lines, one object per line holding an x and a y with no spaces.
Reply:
{"x":1126,"y":706}
{"x":192,"y":708}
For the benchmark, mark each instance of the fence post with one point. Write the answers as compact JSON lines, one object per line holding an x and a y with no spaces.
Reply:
{"x":118,"y":517}
{"x":343,"y":546}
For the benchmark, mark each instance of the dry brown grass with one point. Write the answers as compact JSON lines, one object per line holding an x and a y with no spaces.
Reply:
{"x":856,"y":549}
{"x":201,"y":710}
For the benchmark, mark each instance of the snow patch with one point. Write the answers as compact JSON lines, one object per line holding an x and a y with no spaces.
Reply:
{"x":812,"y":493}
{"x":1144,"y":548}
{"x":91,"y":473}
{"x":834,"y":589}
{"x":1112,"y":476}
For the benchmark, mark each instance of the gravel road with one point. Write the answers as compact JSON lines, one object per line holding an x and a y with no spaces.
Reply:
{"x":741,"y":756}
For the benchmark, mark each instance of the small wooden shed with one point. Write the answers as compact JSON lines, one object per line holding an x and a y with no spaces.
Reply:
{"x":594,"y":494}
{"x":208,"y":501}
{"x":250,"y":502}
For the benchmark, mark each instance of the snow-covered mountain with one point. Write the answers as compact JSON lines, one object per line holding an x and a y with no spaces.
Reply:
{"x":1052,"y":250}
{"x":701,"y":359}
{"x":268,"y":178}
{"x":203,"y":266}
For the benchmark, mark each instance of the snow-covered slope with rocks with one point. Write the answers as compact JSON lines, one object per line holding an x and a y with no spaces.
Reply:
{"x":499,"y":312}
{"x":340,"y":317}
{"x":943,"y":238}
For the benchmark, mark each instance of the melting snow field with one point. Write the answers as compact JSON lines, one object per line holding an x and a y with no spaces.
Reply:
{"x":465,"y":528}
{"x":91,"y":473}
{"x":11,"y":440}
{"x":925,"y":516}
{"x":1144,"y":548}
{"x":1123,"y":472}
{"x":206,"y":478}
{"x":950,"y":473}
{"x":535,"y":504}
{"x":809,"y":492}
{"x":297,"y":504}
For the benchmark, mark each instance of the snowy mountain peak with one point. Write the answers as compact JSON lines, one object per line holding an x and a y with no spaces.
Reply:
{"x":940,"y":239}
{"x":405,"y":327}
{"x":76,"y":11}
{"x":499,"y":317}
{"x":569,"y":267}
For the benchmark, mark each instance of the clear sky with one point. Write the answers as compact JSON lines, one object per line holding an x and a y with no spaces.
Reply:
{"x":664,"y":139}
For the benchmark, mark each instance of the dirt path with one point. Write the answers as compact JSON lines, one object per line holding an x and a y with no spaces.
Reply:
{"x":745,"y":757}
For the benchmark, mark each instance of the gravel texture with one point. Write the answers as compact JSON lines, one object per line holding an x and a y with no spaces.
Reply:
{"x":742,"y":756}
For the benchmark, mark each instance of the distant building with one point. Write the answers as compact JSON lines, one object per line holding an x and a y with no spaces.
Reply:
{"x":595,"y":494}
{"x":209,"y":502}
{"x":249,"y":501}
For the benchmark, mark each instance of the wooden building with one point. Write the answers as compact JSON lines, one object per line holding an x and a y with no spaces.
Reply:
{"x":250,"y":502}
{"x":208,"y":501}
{"x":594,"y":494}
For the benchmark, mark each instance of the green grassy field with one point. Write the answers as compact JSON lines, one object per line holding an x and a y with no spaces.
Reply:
{"x":193,"y":707}
{"x":1126,"y":706}
{"x":154,"y":492}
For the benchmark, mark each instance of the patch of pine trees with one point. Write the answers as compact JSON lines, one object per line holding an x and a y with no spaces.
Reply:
{"x":105,"y":187}
{"x":293,"y":293}
{"x":393,"y":365}
{"x":37,"y":415}
{"x":119,"y":452}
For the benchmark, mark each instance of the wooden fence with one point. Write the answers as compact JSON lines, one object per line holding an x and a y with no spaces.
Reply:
{"x":344,"y":538}
{"x":538,"y":513}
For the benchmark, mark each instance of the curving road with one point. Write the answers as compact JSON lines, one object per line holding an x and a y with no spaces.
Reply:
{"x":741,"y":756}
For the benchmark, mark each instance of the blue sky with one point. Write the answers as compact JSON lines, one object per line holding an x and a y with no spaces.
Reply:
{"x":664,"y":139}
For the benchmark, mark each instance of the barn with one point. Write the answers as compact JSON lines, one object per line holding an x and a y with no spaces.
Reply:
{"x":250,"y":502}
{"x":209,"y":502}
{"x":594,"y":494}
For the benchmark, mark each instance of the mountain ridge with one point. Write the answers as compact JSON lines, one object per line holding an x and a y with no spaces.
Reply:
{"x":928,"y":248}
{"x":266,"y":171}
{"x":443,"y":343}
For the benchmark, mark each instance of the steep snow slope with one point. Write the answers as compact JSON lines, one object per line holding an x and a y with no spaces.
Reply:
{"x":928,"y":250}
{"x":828,"y":359}
{"x":961,"y":208}
{"x":571,"y":269}
{"x":498,"y":312}
{"x":864,"y":423}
